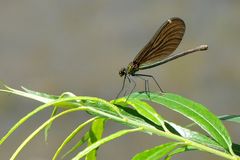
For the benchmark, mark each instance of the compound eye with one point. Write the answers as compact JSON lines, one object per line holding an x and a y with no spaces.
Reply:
{"x":122,"y":72}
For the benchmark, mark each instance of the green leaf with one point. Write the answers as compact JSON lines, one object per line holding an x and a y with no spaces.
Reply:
{"x":142,"y":108}
{"x":179,"y":150}
{"x":102,"y":108}
{"x":194,"y":111}
{"x":195,"y":136}
{"x":232,"y":118}
{"x":33,"y":134}
{"x":47,"y":128}
{"x":236,"y":149}
{"x":41,"y":97}
{"x":95,"y":134}
{"x":77,"y":145}
{"x":22,"y":120}
{"x":156,"y":153}
{"x":104,"y":140}
{"x":55,"y":109}
{"x":71,"y":136}
{"x":40,"y":94}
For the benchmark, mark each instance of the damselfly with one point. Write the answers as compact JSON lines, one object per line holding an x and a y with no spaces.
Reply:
{"x":158,"y":51}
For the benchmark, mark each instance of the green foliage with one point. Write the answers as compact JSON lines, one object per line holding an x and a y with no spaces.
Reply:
{"x":138,"y":116}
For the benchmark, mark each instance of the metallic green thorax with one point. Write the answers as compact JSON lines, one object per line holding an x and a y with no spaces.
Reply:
{"x":132,"y":68}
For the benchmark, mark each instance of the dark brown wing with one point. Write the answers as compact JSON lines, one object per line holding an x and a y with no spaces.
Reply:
{"x":164,"y":42}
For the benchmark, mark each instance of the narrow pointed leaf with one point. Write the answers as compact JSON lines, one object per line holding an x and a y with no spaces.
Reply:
{"x":71,"y":136}
{"x":194,"y":111}
{"x":47,"y":128}
{"x":33,"y":134}
{"x":83,"y":140}
{"x":196,"y":137}
{"x":178,"y":151}
{"x":232,"y":118}
{"x":41,"y":97}
{"x":104,"y":140}
{"x":143,"y":109}
{"x":156,"y":153}
{"x":95,"y":134}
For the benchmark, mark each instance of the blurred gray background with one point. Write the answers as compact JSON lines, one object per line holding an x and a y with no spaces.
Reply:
{"x":79,"y":46}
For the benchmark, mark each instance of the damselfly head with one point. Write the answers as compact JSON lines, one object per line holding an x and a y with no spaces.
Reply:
{"x":122,"y":72}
